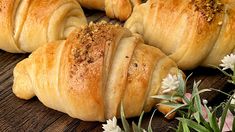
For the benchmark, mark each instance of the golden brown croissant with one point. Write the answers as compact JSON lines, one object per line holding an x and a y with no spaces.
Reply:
{"x":93,"y":71}
{"x":27,"y":24}
{"x":120,"y":9}
{"x":191,"y":32}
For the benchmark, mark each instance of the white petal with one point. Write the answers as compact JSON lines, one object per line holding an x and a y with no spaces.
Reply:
{"x":166,"y":91}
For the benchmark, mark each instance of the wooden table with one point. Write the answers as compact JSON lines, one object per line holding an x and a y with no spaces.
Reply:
{"x":21,"y":115}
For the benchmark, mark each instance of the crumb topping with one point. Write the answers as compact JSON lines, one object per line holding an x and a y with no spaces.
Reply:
{"x":89,"y":38}
{"x":90,"y":43}
{"x":208,"y":8}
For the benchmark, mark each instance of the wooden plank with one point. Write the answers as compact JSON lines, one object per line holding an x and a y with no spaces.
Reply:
{"x":60,"y":124}
{"x":210,"y":78}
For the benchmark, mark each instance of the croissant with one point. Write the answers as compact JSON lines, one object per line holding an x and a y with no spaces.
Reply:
{"x":120,"y":9}
{"x":192,"y":32}
{"x":98,"y":68}
{"x":27,"y":24}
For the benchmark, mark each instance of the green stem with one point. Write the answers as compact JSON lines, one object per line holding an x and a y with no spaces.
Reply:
{"x":221,"y":92}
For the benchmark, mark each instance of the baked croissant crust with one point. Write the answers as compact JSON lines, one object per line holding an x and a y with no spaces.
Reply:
{"x":27,"y":24}
{"x":120,"y":9}
{"x":96,"y":69}
{"x":191,"y":32}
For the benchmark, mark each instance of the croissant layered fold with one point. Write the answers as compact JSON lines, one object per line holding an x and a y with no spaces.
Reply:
{"x":27,"y":24}
{"x":191,"y":32}
{"x":120,"y":9}
{"x":98,"y":68}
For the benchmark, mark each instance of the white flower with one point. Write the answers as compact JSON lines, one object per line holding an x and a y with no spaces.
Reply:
{"x":170,"y":83}
{"x":228,"y":62}
{"x":210,"y":108}
{"x":111,"y":126}
{"x":204,"y":101}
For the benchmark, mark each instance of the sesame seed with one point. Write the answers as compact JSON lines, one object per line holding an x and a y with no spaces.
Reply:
{"x":208,"y":8}
{"x":209,"y":19}
{"x":220,"y":23}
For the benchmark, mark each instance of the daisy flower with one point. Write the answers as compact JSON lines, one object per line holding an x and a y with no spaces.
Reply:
{"x":228,"y":62}
{"x":111,"y":126}
{"x":170,"y":83}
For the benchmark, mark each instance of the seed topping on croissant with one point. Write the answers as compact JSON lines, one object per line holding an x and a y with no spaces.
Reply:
{"x":88,"y":38}
{"x":208,"y":8}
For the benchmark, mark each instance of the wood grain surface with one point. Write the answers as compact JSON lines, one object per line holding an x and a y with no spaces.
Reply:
{"x":20,"y":115}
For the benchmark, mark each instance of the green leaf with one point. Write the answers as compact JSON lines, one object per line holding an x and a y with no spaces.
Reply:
{"x":186,"y":100}
{"x":213,"y":123}
{"x":224,"y":114}
{"x":196,"y":96}
{"x":175,"y":109}
{"x":225,"y":73}
{"x":172,"y":128}
{"x":232,"y":81}
{"x":221,"y":92}
{"x":186,"y":80}
{"x":182,"y":113}
{"x":150,"y":122}
{"x":140,"y":119}
{"x":191,"y":109}
{"x":232,"y":107}
{"x":201,"y":91}
{"x":166,"y":97}
{"x":182,"y":86}
{"x":197,"y":116}
{"x":125,"y":123}
{"x":180,"y":127}
{"x":135,"y":128}
{"x":205,"y":123}
{"x":233,"y":129}
{"x":185,"y":126}
{"x":194,"y":125}
{"x":171,"y":104}
{"x":217,"y":108}
{"x":212,"y":120}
